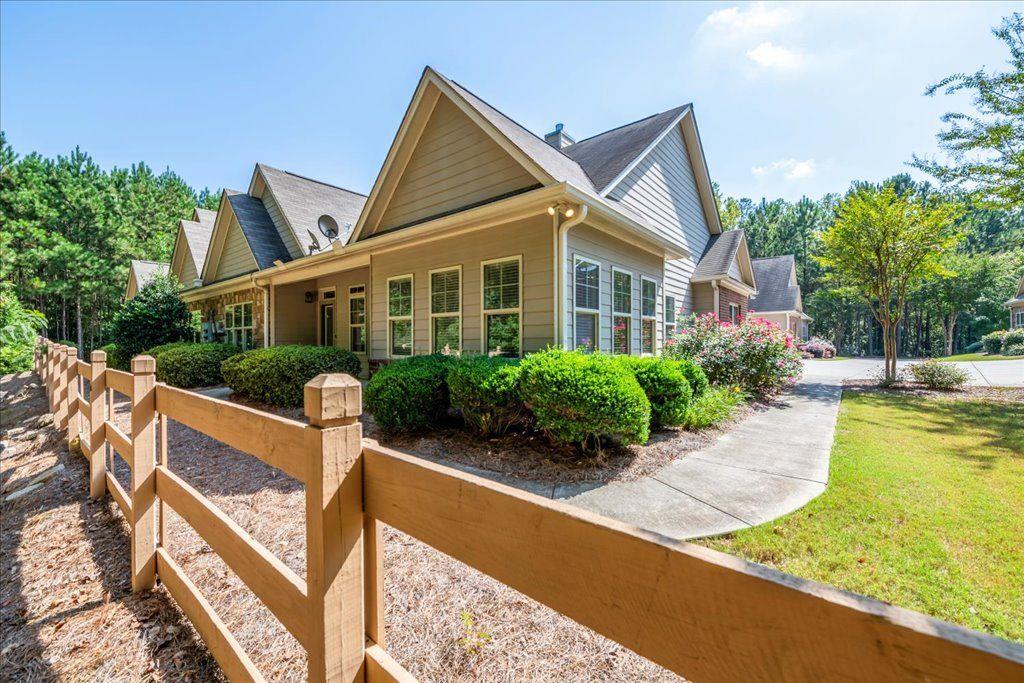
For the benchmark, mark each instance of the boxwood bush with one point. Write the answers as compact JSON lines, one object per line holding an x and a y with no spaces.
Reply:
{"x":277,"y":374}
{"x":115,"y":359}
{"x":936,"y":375}
{"x":993,"y":342}
{"x":665,"y":385}
{"x":409,"y":394}
{"x":192,"y":365}
{"x":486,"y":391}
{"x":585,"y":398}
{"x":160,"y":348}
{"x":1012,"y":339}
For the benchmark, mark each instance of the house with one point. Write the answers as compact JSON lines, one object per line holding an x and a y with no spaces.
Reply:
{"x":140,"y":273}
{"x":190,"y":245}
{"x":1016,"y":306}
{"x":477,"y":236}
{"x":778,"y":297}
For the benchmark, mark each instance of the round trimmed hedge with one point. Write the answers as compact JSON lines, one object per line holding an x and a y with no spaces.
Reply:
{"x":486,"y":391}
{"x":160,"y":348}
{"x":193,"y":365}
{"x":409,"y":394}
{"x":666,"y":386}
{"x":277,"y":374}
{"x":585,"y":398}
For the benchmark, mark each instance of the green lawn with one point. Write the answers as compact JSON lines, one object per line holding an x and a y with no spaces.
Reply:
{"x":924,"y":509}
{"x":978,"y":357}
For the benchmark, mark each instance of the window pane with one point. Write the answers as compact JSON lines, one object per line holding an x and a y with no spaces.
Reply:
{"x":647,"y":336}
{"x":586,"y":331}
{"x":358,"y":342}
{"x":229,"y":318}
{"x":357,"y":310}
{"x":670,"y":309}
{"x":401,"y":337}
{"x":446,"y":334}
{"x":247,"y":315}
{"x":327,"y":325}
{"x":444,"y":292}
{"x":587,"y":285}
{"x":501,"y":285}
{"x":670,"y":331}
{"x":622,"y":288}
{"x":620,"y":334}
{"x":400,"y":297}
{"x":503,"y":334}
{"x":649,"y":298}
{"x":247,"y":339}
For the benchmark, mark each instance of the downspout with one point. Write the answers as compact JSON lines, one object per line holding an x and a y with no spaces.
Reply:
{"x":561,"y":245}
{"x":714,"y":287}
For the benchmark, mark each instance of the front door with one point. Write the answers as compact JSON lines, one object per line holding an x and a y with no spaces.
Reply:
{"x":327,"y":324}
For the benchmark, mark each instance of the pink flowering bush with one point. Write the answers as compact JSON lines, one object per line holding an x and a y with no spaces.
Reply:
{"x":819,"y":348}
{"x":753,"y":354}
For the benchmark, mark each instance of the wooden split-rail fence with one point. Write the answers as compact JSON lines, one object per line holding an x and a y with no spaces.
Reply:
{"x":700,"y":613}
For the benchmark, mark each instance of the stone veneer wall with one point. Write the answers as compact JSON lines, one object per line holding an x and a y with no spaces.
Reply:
{"x":213,"y":308}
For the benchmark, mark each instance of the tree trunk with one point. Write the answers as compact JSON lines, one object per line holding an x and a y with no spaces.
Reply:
{"x":948,"y":330}
{"x":78,"y":321}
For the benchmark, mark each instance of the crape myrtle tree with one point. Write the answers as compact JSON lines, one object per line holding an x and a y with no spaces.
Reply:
{"x":884,"y":243}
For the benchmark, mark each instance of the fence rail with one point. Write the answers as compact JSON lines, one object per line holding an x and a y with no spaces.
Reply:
{"x":700,"y":613}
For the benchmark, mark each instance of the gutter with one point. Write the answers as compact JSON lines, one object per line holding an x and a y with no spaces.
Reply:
{"x":561,"y":245}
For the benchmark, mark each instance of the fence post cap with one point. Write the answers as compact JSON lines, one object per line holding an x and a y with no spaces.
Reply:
{"x":332,"y":397}
{"x":143,"y":365}
{"x":72,"y":351}
{"x":99,"y":356}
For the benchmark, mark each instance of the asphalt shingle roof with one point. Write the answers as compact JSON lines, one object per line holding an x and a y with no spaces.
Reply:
{"x":774,"y":293}
{"x":304,"y":200}
{"x":197,"y":235}
{"x":258,"y":228}
{"x":719,"y":255}
{"x":147,"y":270}
{"x":604,"y":156}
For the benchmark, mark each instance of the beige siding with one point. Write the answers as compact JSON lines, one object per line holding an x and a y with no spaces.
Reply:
{"x":780,"y":319}
{"x":341,"y":283}
{"x":188,"y":274}
{"x":235,"y":258}
{"x":610,"y":252}
{"x":455,"y":164}
{"x":274,"y":209}
{"x":294,"y":319}
{"x":662,"y":188}
{"x":531,"y":238}
{"x":703,"y":298}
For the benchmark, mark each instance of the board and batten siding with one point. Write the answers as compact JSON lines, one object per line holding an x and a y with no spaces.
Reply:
{"x":235,"y":257}
{"x":530,"y":238}
{"x":662,"y":189}
{"x":455,"y":164}
{"x":287,"y":236}
{"x":610,"y":252}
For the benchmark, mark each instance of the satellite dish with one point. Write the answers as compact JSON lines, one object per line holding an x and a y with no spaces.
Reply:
{"x":328,"y":226}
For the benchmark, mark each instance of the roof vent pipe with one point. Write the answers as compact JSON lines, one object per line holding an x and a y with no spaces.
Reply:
{"x":558,"y":138}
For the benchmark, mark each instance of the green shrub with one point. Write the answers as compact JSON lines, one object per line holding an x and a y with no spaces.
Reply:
{"x":156,"y":315}
{"x":486,"y":391}
{"x":409,"y":394}
{"x":192,"y":365}
{"x":665,"y":385}
{"x":19,"y":327}
{"x":1012,"y":338}
{"x":695,"y":375}
{"x":1014,"y":350}
{"x":713,"y":406}
{"x":993,"y":342}
{"x":974,"y":347}
{"x":115,"y":359}
{"x":936,"y":375}
{"x":585,"y":398}
{"x":157,"y":350}
{"x":277,"y":374}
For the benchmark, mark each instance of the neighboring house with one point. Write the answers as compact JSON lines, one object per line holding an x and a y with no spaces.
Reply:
{"x":778,"y":295}
{"x":190,"y":246}
{"x":480,"y":236}
{"x":139,"y":275}
{"x":1016,"y":306}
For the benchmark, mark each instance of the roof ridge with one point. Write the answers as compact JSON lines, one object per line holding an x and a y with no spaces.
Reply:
{"x":155,"y":263}
{"x":312,"y":180}
{"x":631,"y":123}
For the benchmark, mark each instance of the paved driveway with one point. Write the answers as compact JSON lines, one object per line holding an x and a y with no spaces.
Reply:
{"x":996,"y":373}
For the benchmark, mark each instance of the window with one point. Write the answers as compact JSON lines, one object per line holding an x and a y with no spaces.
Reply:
{"x":446,"y":309}
{"x":670,"y":317}
{"x":357,"y":319}
{"x":238,"y":325}
{"x":400,"y":315}
{"x":502,"y":304}
{"x":648,"y":314}
{"x":734,"y":312}
{"x":1018,"y":317}
{"x":327,"y":297}
{"x":622,"y":311}
{"x":586,"y":300}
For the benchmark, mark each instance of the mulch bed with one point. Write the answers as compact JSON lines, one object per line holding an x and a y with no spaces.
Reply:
{"x":67,"y":611}
{"x":995,"y":394}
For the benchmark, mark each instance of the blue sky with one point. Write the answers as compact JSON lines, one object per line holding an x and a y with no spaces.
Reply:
{"x":791,"y":99}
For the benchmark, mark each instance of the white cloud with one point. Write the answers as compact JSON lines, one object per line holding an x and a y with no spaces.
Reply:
{"x":734,"y":23}
{"x":791,"y":169}
{"x":767,"y":55}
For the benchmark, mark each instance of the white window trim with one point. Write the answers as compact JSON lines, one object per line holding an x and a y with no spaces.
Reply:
{"x":430,"y":303}
{"x":412,"y":312}
{"x":1018,"y":317}
{"x":654,"y":330}
{"x":238,"y":306}
{"x":484,"y":312}
{"x":668,"y":322}
{"x":732,"y":318}
{"x":324,"y":290}
{"x":596,"y":312}
{"x":618,"y":314}
{"x":321,"y":301}
{"x":358,"y":295}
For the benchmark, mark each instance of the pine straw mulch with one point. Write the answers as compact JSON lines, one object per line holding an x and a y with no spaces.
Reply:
{"x":67,"y":611}
{"x":967,"y":393}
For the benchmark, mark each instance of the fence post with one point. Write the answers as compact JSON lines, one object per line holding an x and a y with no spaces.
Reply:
{"x":72,"y":418}
{"x":51,"y":375}
{"x":97,"y":431}
{"x":334,"y":528}
{"x":143,"y":493}
{"x":60,"y":394}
